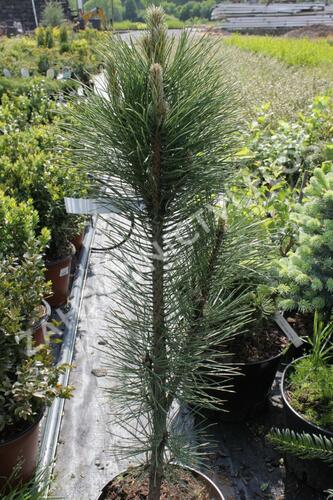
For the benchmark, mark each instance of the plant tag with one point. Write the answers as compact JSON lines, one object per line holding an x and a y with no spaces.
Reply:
{"x":281,"y":321}
{"x":64,"y":271}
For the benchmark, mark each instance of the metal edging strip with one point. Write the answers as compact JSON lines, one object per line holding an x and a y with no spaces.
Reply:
{"x":54,"y":415}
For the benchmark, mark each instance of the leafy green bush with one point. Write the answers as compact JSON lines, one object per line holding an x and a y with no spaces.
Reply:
{"x":43,"y":64}
{"x":18,"y":225}
{"x":21,"y":112}
{"x":275,"y":164}
{"x":49,"y":41}
{"x":33,"y":168}
{"x":63,"y":34}
{"x":40,"y":36}
{"x":289,"y":149}
{"x":23,"y":287}
{"x":28,"y":382}
{"x":19,"y":86}
{"x":22,"y":268}
{"x":306,"y":274}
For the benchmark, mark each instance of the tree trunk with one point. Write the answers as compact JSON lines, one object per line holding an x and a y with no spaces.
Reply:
{"x":158,"y":351}
{"x":159,"y":363}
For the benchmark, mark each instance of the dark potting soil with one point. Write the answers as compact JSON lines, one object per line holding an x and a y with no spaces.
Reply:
{"x":14,"y":431}
{"x":134,"y":486}
{"x":259,"y":346}
{"x":302,"y":324}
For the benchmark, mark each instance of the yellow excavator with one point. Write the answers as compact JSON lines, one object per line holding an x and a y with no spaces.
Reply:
{"x":96,"y":17}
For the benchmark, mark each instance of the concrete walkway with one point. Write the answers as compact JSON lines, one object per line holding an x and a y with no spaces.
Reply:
{"x":84,"y":461}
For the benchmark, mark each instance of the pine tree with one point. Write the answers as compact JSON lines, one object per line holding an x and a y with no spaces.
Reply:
{"x":306,"y":274}
{"x":163,"y":138}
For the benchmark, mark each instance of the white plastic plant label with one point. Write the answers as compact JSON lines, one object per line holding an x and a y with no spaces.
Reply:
{"x":64,"y":272}
{"x":281,"y":321}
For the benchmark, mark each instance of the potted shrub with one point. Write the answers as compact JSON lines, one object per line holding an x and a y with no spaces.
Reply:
{"x":163,"y":139}
{"x":18,"y":226}
{"x":34,"y":168}
{"x":307,"y":394}
{"x":28,"y":378}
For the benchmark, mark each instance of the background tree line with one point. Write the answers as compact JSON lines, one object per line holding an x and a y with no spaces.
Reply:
{"x":133,"y":10}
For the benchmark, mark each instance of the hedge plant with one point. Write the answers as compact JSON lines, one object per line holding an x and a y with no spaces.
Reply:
{"x":32,"y":167}
{"x":18,"y":224}
{"x":28,"y":378}
{"x":23,"y":111}
{"x":21,"y":262}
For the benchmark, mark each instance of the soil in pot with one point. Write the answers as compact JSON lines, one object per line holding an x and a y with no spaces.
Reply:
{"x":301,"y":323}
{"x":259,"y":356}
{"x":19,"y":446}
{"x":308,"y":405}
{"x":58,"y":272}
{"x":182,"y":484}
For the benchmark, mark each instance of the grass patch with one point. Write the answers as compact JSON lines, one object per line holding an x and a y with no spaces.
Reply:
{"x":311,"y":392}
{"x":294,"y":52}
{"x":262,"y":80}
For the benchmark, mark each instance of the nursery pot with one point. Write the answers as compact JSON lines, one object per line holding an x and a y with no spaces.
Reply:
{"x":58,"y":272}
{"x":250,"y":390}
{"x":39,"y":328}
{"x":315,"y":473}
{"x":22,"y":449}
{"x":212,"y":489}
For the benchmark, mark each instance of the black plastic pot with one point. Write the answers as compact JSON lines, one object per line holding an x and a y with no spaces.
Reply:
{"x":213,"y":491}
{"x":250,"y":390}
{"x":22,"y":449}
{"x":314,"y":473}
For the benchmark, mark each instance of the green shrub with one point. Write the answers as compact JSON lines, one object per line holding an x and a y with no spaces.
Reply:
{"x":20,"y":86}
{"x":43,"y":64}
{"x":53,"y":14}
{"x":64,"y":47}
{"x":40,"y":36}
{"x":21,"y":112}
{"x":33,"y":168}
{"x":29,"y":381}
{"x":81,"y":47}
{"x":275,"y":163}
{"x":63,"y":34}
{"x":49,"y":41}
{"x":18,"y":226}
{"x":306,"y":274}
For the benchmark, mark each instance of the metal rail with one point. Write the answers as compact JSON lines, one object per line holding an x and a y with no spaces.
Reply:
{"x":53,"y":419}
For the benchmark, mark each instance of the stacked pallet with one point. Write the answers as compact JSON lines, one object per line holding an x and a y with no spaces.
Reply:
{"x":245,"y":17}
